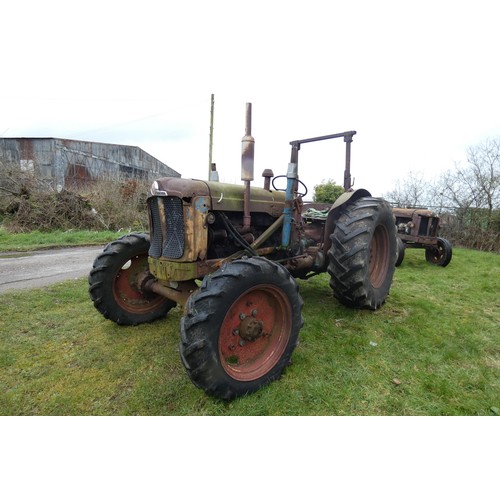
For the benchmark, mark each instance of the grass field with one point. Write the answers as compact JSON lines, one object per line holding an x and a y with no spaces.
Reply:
{"x":433,"y":349}
{"x":38,"y":240}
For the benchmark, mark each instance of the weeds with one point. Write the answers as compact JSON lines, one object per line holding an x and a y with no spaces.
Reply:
{"x":29,"y":204}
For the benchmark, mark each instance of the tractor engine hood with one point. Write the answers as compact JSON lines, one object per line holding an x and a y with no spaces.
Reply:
{"x":223,"y":197}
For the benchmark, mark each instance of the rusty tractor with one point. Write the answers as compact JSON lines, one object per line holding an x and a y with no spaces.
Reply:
{"x":229,"y":256}
{"x":419,"y":228}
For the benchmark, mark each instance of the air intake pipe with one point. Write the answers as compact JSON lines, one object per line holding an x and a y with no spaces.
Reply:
{"x":247,"y":165}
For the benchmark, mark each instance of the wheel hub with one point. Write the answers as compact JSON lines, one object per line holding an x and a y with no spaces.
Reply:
{"x":251,"y":329}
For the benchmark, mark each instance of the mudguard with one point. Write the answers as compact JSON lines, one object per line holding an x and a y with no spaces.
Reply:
{"x":333,"y":214}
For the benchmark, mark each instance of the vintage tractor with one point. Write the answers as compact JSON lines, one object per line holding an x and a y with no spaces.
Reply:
{"x":419,"y":228}
{"x":246,"y":245}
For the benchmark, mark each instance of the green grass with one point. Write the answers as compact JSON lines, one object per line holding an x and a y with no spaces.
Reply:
{"x":433,"y":349}
{"x":36,"y":240}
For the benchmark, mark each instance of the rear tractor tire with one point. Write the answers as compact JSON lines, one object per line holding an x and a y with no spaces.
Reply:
{"x":113,"y":284}
{"x":241,"y":327}
{"x":362,"y":255}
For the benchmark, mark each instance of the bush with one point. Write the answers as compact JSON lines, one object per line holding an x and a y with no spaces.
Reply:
{"x":120,"y":204}
{"x":327,"y":192}
{"x":45,"y":211}
{"x":28,"y":204}
{"x":475,"y":238}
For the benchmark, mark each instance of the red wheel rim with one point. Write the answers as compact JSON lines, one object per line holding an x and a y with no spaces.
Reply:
{"x":125,"y":288}
{"x":379,"y":256}
{"x":255,"y":332}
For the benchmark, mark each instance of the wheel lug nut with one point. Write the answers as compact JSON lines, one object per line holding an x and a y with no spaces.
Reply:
{"x":236,"y":331}
{"x":243,"y":316}
{"x":242,"y":343}
{"x":254,"y":313}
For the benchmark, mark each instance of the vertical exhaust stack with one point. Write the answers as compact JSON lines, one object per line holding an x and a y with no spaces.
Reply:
{"x":347,"y":171}
{"x":247,"y":165}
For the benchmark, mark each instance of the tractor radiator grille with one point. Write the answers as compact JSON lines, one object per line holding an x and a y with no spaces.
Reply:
{"x":155,"y":229}
{"x":172,"y":225}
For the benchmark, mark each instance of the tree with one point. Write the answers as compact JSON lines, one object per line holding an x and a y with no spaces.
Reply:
{"x":412,"y":191}
{"x":475,"y":186}
{"x":327,"y":192}
{"x":484,"y":164}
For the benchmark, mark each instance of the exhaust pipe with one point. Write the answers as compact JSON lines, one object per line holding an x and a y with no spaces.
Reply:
{"x":247,"y":165}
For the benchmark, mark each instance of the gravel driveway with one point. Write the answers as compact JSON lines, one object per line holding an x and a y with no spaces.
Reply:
{"x":22,"y":270}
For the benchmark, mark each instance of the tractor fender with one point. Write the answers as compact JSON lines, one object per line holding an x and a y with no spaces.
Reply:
{"x":335,"y":211}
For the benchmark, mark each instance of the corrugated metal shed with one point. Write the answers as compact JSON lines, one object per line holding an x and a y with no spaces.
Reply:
{"x":64,"y":161}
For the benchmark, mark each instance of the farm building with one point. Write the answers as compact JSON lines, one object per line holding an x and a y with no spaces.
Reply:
{"x":66,"y":162}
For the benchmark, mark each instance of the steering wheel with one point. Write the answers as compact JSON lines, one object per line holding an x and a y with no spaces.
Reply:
{"x":299,"y":181}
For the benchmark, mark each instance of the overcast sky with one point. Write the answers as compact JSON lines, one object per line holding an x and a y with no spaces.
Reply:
{"x":418,"y":81}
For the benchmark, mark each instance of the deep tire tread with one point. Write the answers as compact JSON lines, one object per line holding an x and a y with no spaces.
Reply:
{"x":349,"y":253}
{"x":101,"y":280}
{"x":204,"y":312}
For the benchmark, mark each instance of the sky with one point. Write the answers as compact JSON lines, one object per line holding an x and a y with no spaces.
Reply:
{"x":418,"y":81}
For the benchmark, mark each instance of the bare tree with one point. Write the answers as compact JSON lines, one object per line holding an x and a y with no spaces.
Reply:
{"x":455,"y":188}
{"x":412,"y":191}
{"x":476,"y":185}
{"x":484,"y":164}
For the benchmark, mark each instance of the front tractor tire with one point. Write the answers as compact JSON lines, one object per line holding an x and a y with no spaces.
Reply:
{"x":400,"y":254}
{"x":113,"y":283}
{"x":241,"y":327}
{"x":362,"y":255}
{"x":441,"y":254}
